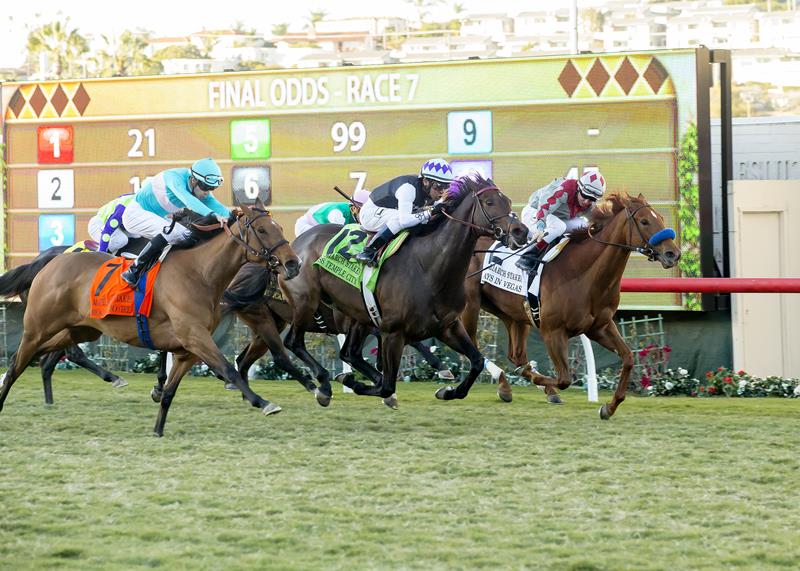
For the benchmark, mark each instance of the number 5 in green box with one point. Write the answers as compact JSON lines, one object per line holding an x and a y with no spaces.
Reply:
{"x":250,"y":139}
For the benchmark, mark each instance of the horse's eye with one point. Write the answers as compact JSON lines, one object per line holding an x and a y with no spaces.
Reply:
{"x":261,"y":231}
{"x":645,"y":222}
{"x":489,"y":203}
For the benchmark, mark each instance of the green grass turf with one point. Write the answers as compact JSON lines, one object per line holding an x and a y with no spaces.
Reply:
{"x":668,"y":483}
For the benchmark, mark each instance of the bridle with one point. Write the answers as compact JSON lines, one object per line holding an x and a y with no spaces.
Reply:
{"x":645,"y":250}
{"x":267,"y":252}
{"x":494,"y":230}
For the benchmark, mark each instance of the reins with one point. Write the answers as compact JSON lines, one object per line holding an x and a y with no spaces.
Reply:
{"x":494,"y":231}
{"x":630,"y":217}
{"x":266,"y":252}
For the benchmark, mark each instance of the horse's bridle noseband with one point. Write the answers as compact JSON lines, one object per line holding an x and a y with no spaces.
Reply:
{"x":267,"y":252}
{"x":645,"y":250}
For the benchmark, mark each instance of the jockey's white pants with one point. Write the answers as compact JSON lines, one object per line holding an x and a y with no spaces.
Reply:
{"x":373,"y":218}
{"x":552,"y":226}
{"x":118,"y":238}
{"x":301,"y":226}
{"x":139,"y":222}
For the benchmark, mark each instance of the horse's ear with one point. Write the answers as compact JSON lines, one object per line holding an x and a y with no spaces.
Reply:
{"x":247,"y":210}
{"x":641,"y":196}
{"x":260,"y":204}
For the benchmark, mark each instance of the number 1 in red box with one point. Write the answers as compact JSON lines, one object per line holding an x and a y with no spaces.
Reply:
{"x":55,"y":144}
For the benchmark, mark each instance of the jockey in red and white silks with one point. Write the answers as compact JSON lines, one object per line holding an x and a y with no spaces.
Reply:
{"x":561,"y":206}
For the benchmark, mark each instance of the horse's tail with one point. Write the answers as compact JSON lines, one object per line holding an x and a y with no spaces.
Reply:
{"x":19,"y":280}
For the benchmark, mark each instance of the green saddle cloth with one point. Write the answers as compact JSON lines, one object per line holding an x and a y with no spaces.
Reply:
{"x":339,"y":254}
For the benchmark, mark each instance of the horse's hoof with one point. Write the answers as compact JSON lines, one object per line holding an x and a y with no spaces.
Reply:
{"x":231,"y":387}
{"x":604,"y":412}
{"x":505,"y":396}
{"x":158,"y":434}
{"x":446,"y":375}
{"x":322,"y":398}
{"x":119,"y":383}
{"x":445,"y":393}
{"x":391,"y":402}
{"x":554,"y":399}
{"x":155,"y":394}
{"x":271,"y":408}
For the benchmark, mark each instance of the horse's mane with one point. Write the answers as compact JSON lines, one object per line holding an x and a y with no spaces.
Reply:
{"x":604,"y":212}
{"x":464,"y":185}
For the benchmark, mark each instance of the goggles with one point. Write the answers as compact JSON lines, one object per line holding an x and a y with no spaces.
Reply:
{"x":207,"y":182}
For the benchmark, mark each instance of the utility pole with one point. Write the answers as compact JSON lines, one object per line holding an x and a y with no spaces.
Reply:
{"x":573,"y":30}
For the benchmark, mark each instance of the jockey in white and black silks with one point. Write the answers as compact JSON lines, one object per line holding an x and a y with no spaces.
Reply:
{"x":561,"y":206}
{"x":167,"y":192}
{"x":402,"y":203}
{"x":332,"y":213}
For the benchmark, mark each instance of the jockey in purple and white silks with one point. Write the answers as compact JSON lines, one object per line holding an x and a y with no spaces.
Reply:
{"x":559,"y":207}
{"x":402,"y":203}
{"x":167,"y":192}
{"x":106,"y":227}
{"x":332,"y":213}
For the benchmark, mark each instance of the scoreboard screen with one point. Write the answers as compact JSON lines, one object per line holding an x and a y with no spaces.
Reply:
{"x":287,"y":137}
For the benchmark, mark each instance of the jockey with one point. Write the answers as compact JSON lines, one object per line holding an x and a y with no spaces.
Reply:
{"x":332,"y":213}
{"x":167,"y":192}
{"x":391,"y":206}
{"x":106,"y":228}
{"x":557,"y":208}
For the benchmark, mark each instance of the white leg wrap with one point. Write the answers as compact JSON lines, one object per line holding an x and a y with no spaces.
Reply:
{"x":493,"y":369}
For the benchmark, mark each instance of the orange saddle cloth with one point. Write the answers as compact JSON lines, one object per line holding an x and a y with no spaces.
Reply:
{"x":111,"y":295}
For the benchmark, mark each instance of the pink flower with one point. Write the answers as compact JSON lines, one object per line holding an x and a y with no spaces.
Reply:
{"x":708,"y":375}
{"x":741,"y":373}
{"x":694,"y":393}
{"x":667,"y":349}
{"x":643,"y":353}
{"x":646,"y":382}
{"x":712,"y":389}
{"x":728,"y":379}
{"x":720,"y":368}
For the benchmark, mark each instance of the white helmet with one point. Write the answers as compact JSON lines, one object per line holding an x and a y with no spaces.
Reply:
{"x":361,"y":196}
{"x":592,"y":185}
{"x":438,"y":170}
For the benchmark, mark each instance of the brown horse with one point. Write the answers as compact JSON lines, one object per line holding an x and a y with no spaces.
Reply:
{"x":420,"y":291}
{"x":579,"y":292}
{"x":185,"y":307}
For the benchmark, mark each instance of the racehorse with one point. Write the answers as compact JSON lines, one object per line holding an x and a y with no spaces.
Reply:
{"x":579,"y":292}
{"x":185,"y":307}
{"x":420,"y":290}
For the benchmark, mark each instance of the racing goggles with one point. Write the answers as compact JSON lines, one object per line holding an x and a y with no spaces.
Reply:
{"x":208,"y":182}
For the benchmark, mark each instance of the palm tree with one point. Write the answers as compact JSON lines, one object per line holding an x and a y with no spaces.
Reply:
{"x":62,"y":46}
{"x":125,"y":55}
{"x":280,"y":29}
{"x":315,"y":16}
{"x":422,"y":7}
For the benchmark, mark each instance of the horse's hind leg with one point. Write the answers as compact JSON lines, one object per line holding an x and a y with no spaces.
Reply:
{"x":608,"y":336}
{"x":250,"y":354}
{"x":77,"y":356}
{"x":180,"y":366}
{"x":47,"y":363}
{"x":433,"y":360}
{"x":30,"y":346}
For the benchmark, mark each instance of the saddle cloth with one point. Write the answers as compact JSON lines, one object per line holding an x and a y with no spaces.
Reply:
{"x":338,"y":256}
{"x":111,"y":295}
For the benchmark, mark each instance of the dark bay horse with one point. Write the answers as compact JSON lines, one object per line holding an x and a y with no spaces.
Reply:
{"x":420,"y":290}
{"x":579,"y":292}
{"x":185,"y":307}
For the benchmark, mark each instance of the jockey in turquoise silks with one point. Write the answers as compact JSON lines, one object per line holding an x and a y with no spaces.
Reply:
{"x":165,"y":193}
{"x":332,"y":213}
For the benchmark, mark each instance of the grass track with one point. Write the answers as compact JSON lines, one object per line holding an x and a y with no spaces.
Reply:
{"x":476,"y":484}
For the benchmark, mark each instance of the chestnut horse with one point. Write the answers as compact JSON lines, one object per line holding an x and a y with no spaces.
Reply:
{"x":420,"y":290}
{"x":579,"y":293}
{"x":185,"y":306}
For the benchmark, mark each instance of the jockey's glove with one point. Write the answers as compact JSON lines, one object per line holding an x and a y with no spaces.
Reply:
{"x":437,"y":208}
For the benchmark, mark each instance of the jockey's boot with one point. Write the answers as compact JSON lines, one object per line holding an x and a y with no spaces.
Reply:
{"x":370,"y":254}
{"x":529,"y":261}
{"x":145,"y":260}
